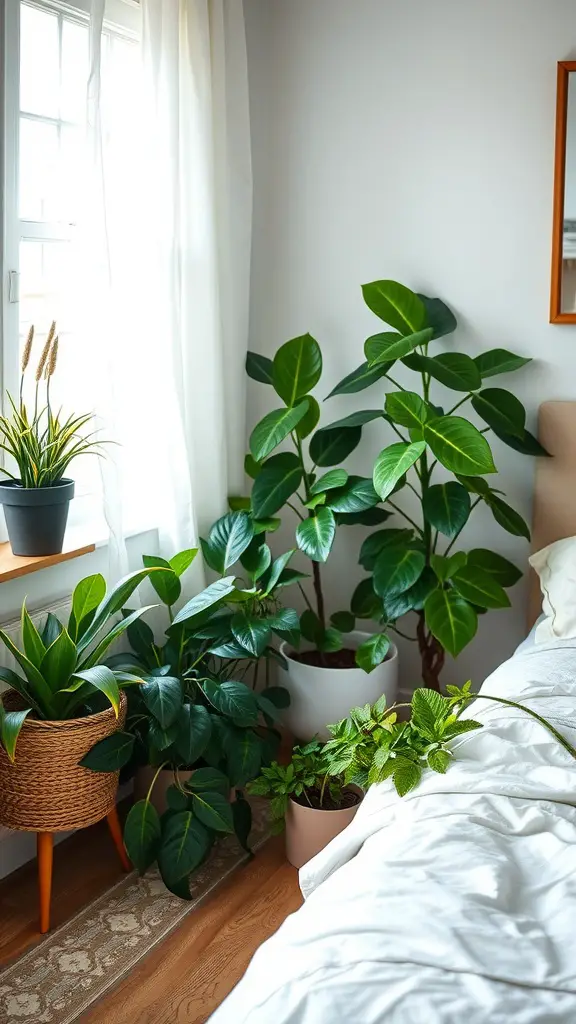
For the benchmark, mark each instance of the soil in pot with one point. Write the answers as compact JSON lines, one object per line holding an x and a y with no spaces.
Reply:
{"x":349,"y":798}
{"x":346,"y":658}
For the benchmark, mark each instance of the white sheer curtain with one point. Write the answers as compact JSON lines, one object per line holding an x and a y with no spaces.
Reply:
{"x":168,"y":245}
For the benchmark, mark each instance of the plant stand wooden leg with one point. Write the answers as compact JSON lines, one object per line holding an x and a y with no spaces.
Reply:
{"x":45,"y":849}
{"x":116,"y":833}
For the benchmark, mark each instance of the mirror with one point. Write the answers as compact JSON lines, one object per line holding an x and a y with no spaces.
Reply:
{"x":563,"y":292}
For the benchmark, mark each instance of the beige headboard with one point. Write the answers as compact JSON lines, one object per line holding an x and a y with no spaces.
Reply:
{"x":555,"y":486}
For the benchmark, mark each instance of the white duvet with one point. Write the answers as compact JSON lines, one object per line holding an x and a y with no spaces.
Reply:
{"x":455,"y":904}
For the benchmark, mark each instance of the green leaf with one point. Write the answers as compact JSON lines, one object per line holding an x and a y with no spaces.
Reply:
{"x":331,"y":446}
{"x":166,"y":584}
{"x":503,"y":571}
{"x":142,"y":834}
{"x":185,"y":843}
{"x":438,"y":316}
{"x":439,"y":761}
{"x":162,"y":696}
{"x":280,"y":477}
{"x":251,"y":632}
{"x":315,"y":500}
{"x":161,"y":738}
{"x":11,"y":723}
{"x":194,"y":732}
{"x":38,"y":685}
{"x":229,"y":538}
{"x":387,"y":347}
{"x":259,"y":368}
{"x":428,"y":712}
{"x":508,"y":518}
{"x":355,"y":419}
{"x":360,"y":378}
{"x":372,"y":652}
{"x":110,"y":754}
{"x":343,"y":621}
{"x":112,"y":603}
{"x":451,"y":620}
{"x":392,"y":463}
{"x":141,"y":637}
{"x":286,"y":624}
{"x":243,"y":756}
{"x":476,"y":484}
{"x":266,"y":525}
{"x":310,"y":420}
{"x":183,"y":560}
{"x":234,"y":700}
{"x":59,"y":662}
{"x":31,"y":639}
{"x":356,"y":495}
{"x":453,"y":369}
{"x":87,"y":595}
{"x":500,"y":410}
{"x":209,"y":780}
{"x":329,"y":481}
{"x":445,"y":568}
{"x":480,"y":588}
{"x":52,"y":627}
{"x":407,"y":775}
{"x":365,"y":603}
{"x":101,"y":678}
{"x":376,"y":543}
{"x":371,"y":517}
{"x":310,"y":626}
{"x":22,"y":687}
{"x":97,"y":653}
{"x":409,"y":600}
{"x":242,"y":815}
{"x":397,"y":305}
{"x":176,"y":799}
{"x":297,"y":368}
{"x":459,"y":445}
{"x":396,"y":570}
{"x":212,"y":595}
{"x":274,"y":573}
{"x":251,"y":467}
{"x":526,"y":445}
{"x":499,"y":360}
{"x":330,"y":640}
{"x":447,"y":507}
{"x":214,"y":811}
{"x":315,"y":535}
{"x":277,"y":695}
{"x":257,"y":558}
{"x":271,"y":430}
{"x":407,"y":408}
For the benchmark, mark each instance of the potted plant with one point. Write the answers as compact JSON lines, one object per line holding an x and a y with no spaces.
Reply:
{"x":195,"y":733}
{"x":309,"y":799}
{"x":441,"y":462}
{"x":338,"y":665}
{"x":42,"y":444}
{"x":59,"y":704}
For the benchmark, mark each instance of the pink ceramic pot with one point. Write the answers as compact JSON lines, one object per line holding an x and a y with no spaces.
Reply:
{"x":309,"y":830}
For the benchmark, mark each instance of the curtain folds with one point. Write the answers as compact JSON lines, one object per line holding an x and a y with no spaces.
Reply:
{"x":171,"y":248}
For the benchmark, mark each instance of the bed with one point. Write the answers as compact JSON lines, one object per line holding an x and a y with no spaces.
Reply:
{"x":458,"y":902}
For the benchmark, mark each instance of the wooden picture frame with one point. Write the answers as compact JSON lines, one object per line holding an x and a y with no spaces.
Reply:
{"x":556,"y":314}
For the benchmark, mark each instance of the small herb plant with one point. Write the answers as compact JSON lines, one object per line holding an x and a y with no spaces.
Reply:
{"x":40,"y":441}
{"x":193,"y":711}
{"x":434,"y":474}
{"x":308,"y":779}
{"x":373,"y":745}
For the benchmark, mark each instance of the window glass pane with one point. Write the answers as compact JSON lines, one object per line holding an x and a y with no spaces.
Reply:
{"x":39,"y":61}
{"x":74,"y":71}
{"x":38,"y":170}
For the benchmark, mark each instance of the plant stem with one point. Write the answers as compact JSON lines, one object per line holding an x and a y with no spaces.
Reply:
{"x":319,"y":595}
{"x":296,"y":511}
{"x":405,"y":514}
{"x":413,"y":639}
{"x":305,"y":596}
{"x":394,"y":382}
{"x":153,"y":783}
{"x":456,"y":535}
{"x":458,"y":404}
{"x":522,"y":707}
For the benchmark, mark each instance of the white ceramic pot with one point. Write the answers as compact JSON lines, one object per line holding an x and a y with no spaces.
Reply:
{"x":323,"y":696}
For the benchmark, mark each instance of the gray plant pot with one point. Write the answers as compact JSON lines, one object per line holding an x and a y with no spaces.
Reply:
{"x":36,"y":516}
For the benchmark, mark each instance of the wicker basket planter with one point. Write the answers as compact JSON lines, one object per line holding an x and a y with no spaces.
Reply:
{"x":46,"y":790}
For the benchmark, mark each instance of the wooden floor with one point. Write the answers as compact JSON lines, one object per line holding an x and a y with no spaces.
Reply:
{"x":188,"y":975}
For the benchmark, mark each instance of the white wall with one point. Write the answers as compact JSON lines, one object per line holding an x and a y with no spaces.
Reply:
{"x":414,"y":140}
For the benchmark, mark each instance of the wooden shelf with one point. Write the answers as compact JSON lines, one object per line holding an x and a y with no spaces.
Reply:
{"x":13,"y":566}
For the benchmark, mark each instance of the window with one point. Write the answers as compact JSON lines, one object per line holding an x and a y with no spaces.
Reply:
{"x":47,"y":68}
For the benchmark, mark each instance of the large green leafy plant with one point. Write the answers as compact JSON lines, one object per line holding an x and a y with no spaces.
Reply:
{"x":193,"y":711}
{"x":62,"y":675}
{"x":309,"y":480}
{"x":443,"y":465}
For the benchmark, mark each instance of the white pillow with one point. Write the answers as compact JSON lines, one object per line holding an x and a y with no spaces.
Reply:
{"x":556,"y":569}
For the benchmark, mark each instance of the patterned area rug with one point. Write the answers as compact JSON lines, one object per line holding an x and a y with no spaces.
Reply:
{"x":57,"y":980}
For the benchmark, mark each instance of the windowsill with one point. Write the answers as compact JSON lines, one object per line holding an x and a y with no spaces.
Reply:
{"x":14,"y":566}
